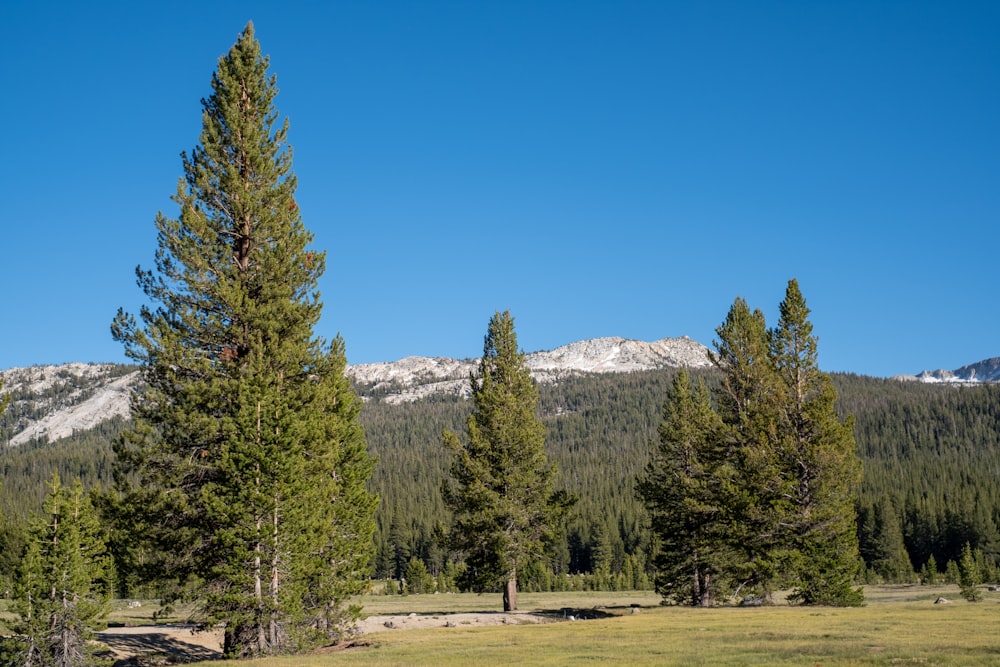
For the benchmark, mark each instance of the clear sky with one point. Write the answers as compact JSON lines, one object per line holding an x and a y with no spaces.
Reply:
{"x":599,"y":168}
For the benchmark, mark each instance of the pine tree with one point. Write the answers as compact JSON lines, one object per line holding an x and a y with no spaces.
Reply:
{"x":970,"y":574}
{"x":246,"y":466}
{"x":13,"y":539}
{"x":819,"y":457}
{"x":60,"y":592}
{"x":4,"y":399}
{"x":501,"y":487}
{"x":793,"y":468}
{"x":9,"y":534}
{"x":681,"y":490}
{"x":885,"y":553}
{"x":929,"y":574}
{"x":754,"y":487}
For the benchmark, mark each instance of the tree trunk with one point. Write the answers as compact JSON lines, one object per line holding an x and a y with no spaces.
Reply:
{"x":705,"y":598}
{"x":275,"y":599}
{"x":510,"y":593}
{"x":260,"y":638}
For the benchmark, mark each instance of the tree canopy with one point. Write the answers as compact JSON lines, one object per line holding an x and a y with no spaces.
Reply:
{"x":246,"y":465}
{"x":681,"y":490}
{"x":760,"y":491}
{"x":62,"y":585}
{"x":501,"y":490}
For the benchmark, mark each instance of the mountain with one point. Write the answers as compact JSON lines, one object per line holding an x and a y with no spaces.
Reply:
{"x":987,"y":370}
{"x":53,"y":402}
{"x":414,"y":378}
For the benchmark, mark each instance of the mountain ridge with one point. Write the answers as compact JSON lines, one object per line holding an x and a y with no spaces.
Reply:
{"x":413,"y":378}
{"x":985,"y":371}
{"x":51,"y":402}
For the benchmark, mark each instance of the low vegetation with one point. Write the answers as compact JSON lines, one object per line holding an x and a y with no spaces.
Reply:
{"x":899,"y":625}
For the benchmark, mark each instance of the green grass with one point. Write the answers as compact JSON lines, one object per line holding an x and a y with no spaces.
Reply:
{"x":455,"y":603}
{"x":900,"y":625}
{"x":122,"y":614}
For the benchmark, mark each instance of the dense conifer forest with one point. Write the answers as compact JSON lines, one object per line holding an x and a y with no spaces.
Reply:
{"x":931,"y":456}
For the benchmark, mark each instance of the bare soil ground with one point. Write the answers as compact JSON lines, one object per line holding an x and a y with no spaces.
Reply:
{"x":181,"y":643}
{"x":178,"y":642}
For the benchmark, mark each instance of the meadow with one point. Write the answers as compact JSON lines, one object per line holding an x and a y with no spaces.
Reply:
{"x":899,"y":625}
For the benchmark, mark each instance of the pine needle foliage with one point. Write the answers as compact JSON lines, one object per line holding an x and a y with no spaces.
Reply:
{"x":681,"y":490}
{"x":501,"y":486}
{"x":246,"y":468}
{"x":759,"y":492}
{"x":820,"y":457}
{"x":970,"y":574}
{"x":755,"y":489}
{"x":60,"y":591}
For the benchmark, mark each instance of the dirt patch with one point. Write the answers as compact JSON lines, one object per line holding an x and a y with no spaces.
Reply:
{"x":161,"y":644}
{"x":179,"y":643}
{"x":414,"y":621}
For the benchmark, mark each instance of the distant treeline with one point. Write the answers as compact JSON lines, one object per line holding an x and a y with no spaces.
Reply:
{"x":931,"y":458}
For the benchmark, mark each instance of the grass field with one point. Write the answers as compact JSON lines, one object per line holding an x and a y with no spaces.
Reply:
{"x":899,"y":626}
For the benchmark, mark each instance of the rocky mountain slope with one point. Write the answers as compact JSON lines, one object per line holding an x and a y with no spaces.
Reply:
{"x":51,"y":402}
{"x":413,"y":378}
{"x":987,"y":370}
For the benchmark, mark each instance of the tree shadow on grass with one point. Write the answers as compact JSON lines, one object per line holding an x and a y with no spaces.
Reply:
{"x":155,"y":648}
{"x":582,"y":613}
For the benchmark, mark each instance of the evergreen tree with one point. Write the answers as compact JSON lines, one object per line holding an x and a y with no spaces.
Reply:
{"x":601,"y":551}
{"x":246,"y":466}
{"x":417,"y":579}
{"x":4,"y":399}
{"x":501,"y":487}
{"x":952,"y":572}
{"x":13,"y":540}
{"x":60,"y":592}
{"x":792,"y":468}
{"x":754,"y":486}
{"x":970,"y":574}
{"x":929,"y":572}
{"x":885,"y":553}
{"x":681,"y":490}
{"x":818,"y":456}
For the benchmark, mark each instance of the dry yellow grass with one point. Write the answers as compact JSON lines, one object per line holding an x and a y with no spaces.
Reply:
{"x":900,"y":625}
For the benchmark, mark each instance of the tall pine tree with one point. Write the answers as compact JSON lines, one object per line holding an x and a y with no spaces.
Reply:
{"x":820,"y":458}
{"x":792,"y":468}
{"x":681,"y":489}
{"x":501,"y":487}
{"x":754,"y":487}
{"x":247,"y":466}
{"x":885,"y":551}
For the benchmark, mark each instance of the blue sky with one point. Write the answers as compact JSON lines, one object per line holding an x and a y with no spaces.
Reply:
{"x":598,"y":168}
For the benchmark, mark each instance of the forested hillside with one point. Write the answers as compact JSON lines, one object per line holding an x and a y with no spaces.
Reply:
{"x":931,"y":459}
{"x":931,"y":455}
